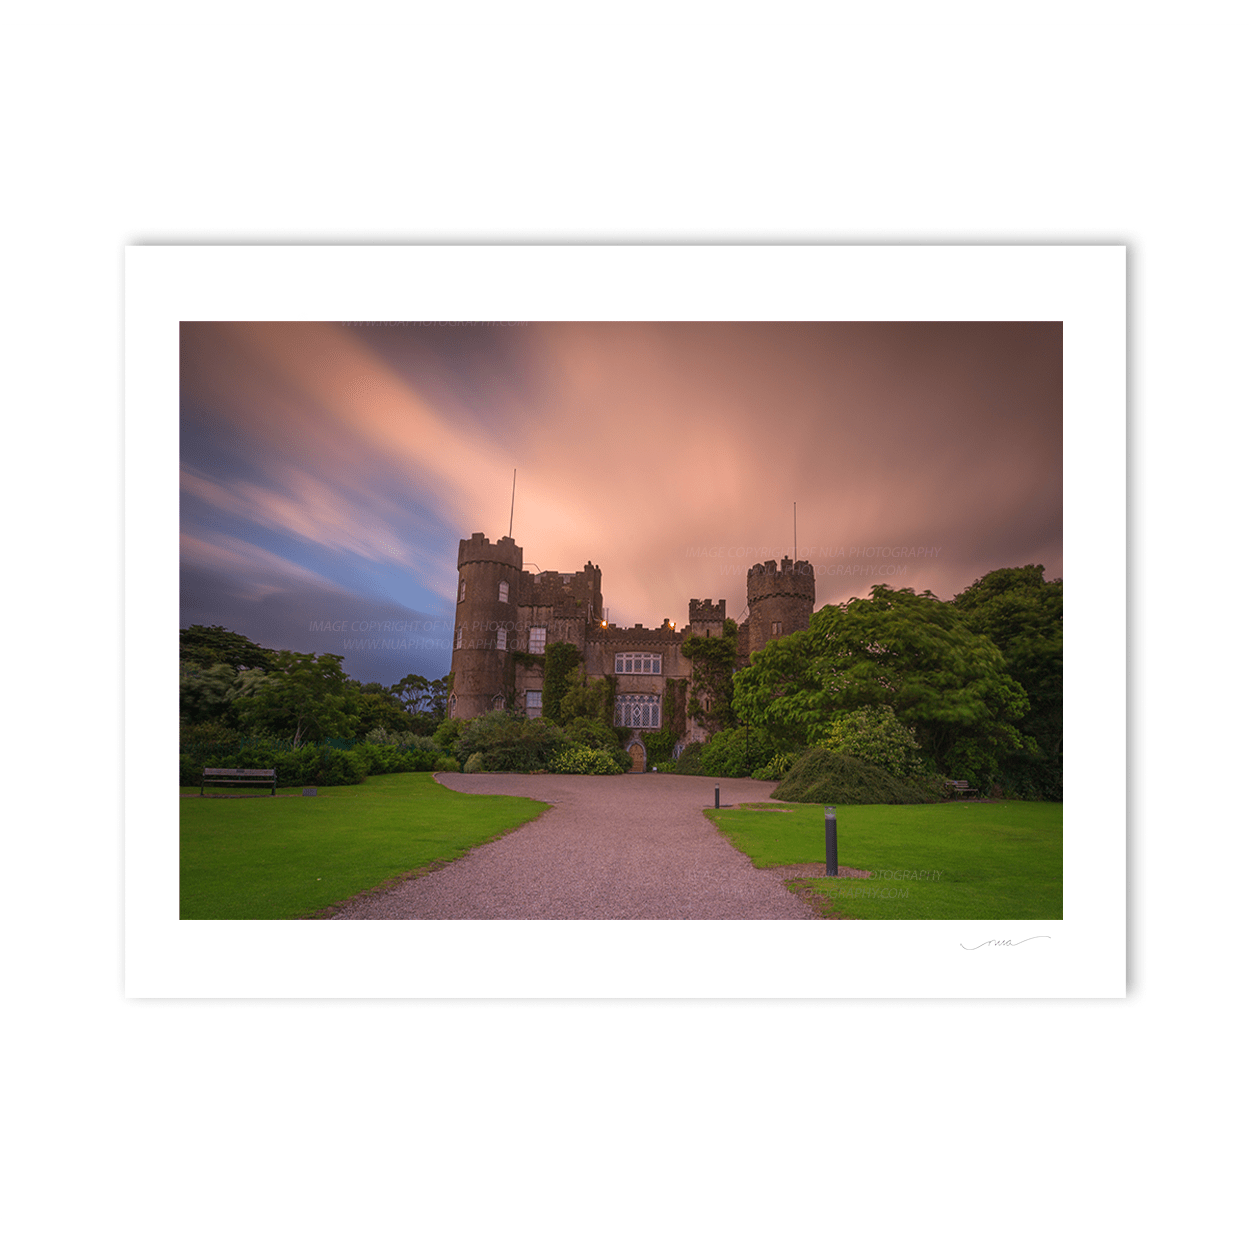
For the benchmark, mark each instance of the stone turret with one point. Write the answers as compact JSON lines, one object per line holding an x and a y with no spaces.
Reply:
{"x":781,"y":600}
{"x":707,"y":619}
{"x":486,"y":610}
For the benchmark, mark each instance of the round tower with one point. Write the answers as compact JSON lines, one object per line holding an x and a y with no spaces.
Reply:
{"x":487,"y":591}
{"x":781,"y":600}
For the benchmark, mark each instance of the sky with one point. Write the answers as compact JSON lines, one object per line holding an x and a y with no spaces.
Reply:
{"x":330,"y":470}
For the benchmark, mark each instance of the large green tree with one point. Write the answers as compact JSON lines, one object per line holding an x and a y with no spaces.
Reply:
{"x":1022,"y":613}
{"x":912,"y":653}
{"x":203,"y":646}
{"x":302,"y":697}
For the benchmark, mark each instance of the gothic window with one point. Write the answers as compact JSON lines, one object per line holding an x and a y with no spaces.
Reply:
{"x":501,"y":639}
{"x":533,"y":703}
{"x":462,"y":590}
{"x":538,"y":640}
{"x":638,"y":711}
{"x":496,"y":704}
{"x":637,"y":662}
{"x":503,"y":592}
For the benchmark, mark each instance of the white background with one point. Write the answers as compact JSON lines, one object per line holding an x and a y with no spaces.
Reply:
{"x":255,"y":1123}
{"x":1081,"y":287}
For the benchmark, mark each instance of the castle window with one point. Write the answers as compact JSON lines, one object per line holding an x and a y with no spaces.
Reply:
{"x":503,"y":592}
{"x":638,"y":711}
{"x":501,"y":639}
{"x":459,"y":635}
{"x":462,"y":590}
{"x":776,"y":628}
{"x":533,"y":703}
{"x":637,"y":662}
{"x":538,"y":640}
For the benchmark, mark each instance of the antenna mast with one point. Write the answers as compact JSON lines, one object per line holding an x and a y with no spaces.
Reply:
{"x":512,"y":510}
{"x":796,"y":531}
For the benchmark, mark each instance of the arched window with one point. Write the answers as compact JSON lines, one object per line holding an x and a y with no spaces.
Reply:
{"x":638,"y":711}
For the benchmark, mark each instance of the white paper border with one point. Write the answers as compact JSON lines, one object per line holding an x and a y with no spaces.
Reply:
{"x":1082,"y":956}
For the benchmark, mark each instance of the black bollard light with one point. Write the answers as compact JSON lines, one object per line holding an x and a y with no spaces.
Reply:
{"x":831,"y":841}
{"x":718,"y":798}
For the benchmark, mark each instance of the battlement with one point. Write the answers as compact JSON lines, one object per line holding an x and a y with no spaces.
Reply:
{"x":764,"y":580}
{"x":479,"y":548}
{"x":631,"y":635}
{"x":703,"y":611}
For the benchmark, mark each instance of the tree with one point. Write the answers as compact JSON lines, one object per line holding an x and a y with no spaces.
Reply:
{"x":1022,"y":614}
{"x":302,"y":697}
{"x":205,"y":694}
{"x":203,"y":646}
{"x":375,"y":707}
{"x":912,"y":653}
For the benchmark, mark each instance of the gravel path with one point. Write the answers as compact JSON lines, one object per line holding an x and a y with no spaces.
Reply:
{"x":633,"y":847}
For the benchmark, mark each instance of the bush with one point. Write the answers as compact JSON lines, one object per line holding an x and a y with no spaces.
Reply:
{"x":820,"y":776}
{"x":777,"y":767}
{"x":298,"y":767}
{"x":474,"y":763}
{"x":446,"y":764}
{"x":340,"y":768}
{"x":659,"y":744}
{"x":585,"y":760}
{"x":509,"y":743}
{"x":688,"y":763}
{"x":584,"y":731}
{"x":876,"y":736}
{"x":734,"y":753}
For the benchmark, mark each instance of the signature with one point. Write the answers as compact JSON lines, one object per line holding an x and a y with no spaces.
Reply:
{"x":1003,"y":942}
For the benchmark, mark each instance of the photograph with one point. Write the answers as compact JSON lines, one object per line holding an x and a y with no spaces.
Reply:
{"x":621,"y":620}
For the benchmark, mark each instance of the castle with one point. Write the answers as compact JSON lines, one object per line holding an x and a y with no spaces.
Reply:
{"x":505,"y":614}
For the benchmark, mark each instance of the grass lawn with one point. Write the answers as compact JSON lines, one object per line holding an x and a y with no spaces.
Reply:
{"x":943,"y":861}
{"x":257,"y":857}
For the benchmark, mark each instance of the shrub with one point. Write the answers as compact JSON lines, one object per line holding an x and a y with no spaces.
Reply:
{"x":586,"y":760}
{"x":659,"y":744}
{"x":777,"y":767}
{"x":586,"y":732}
{"x":876,"y":736}
{"x":688,"y":763}
{"x":297,"y":767}
{"x":340,"y":768}
{"x":474,"y":763}
{"x":734,"y":753}
{"x":820,"y":776}
{"x":509,"y":743}
{"x":446,"y":764}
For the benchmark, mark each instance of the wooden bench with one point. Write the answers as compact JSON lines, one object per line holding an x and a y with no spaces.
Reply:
{"x":958,"y":789}
{"x":241,"y":777}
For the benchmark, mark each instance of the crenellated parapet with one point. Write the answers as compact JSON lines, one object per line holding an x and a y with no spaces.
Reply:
{"x":781,"y":600}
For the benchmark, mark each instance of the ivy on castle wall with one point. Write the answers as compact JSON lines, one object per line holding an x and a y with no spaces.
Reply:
{"x":674,"y":707}
{"x":560,"y":662}
{"x":712,"y":663}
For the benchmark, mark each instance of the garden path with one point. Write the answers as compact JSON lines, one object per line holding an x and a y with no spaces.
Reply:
{"x":631,"y":847}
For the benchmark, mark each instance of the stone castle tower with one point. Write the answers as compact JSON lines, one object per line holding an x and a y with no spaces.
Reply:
{"x":486,"y":603}
{"x":780,"y":600}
